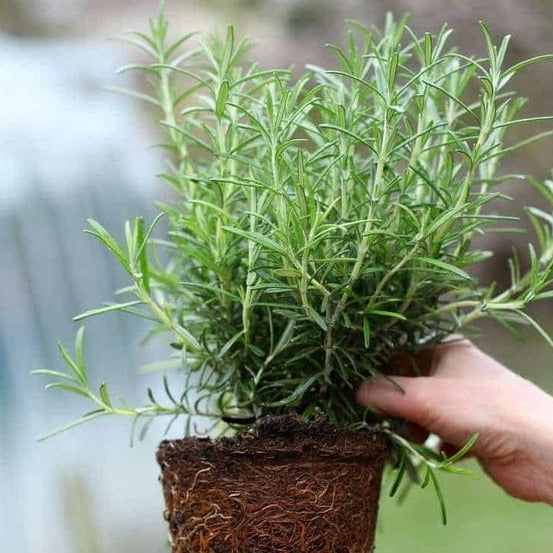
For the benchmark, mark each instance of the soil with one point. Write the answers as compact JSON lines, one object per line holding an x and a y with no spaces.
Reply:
{"x":286,"y":486}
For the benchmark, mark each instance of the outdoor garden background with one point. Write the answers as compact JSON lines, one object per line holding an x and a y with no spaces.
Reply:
{"x":70,"y":149}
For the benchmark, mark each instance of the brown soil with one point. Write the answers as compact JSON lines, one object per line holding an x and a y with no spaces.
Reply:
{"x":286,"y":486}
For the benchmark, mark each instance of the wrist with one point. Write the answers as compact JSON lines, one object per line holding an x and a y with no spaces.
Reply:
{"x":547,"y":459}
{"x":539,"y":441}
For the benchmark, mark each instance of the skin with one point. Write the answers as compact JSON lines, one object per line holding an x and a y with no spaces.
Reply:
{"x":465,"y":391}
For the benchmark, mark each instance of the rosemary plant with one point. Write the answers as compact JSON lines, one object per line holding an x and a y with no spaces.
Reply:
{"x":321,"y":222}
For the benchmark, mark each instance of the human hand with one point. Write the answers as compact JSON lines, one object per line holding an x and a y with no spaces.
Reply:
{"x":468,"y":392}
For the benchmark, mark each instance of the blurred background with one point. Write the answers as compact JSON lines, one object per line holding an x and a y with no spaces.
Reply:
{"x":70,"y":149}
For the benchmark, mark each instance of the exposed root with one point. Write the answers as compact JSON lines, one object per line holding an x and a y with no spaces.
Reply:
{"x":286,"y":487}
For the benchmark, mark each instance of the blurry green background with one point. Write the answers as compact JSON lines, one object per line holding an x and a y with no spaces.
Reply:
{"x":69,"y":150}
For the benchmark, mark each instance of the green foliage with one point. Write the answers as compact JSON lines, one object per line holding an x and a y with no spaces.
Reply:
{"x":321,"y":222}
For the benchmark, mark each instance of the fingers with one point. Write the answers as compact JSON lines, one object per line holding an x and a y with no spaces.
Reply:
{"x":466,"y":393}
{"x":413,"y":399}
{"x":439,"y":405}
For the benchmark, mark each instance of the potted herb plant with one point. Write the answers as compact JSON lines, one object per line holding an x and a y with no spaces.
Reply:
{"x":321,"y":223}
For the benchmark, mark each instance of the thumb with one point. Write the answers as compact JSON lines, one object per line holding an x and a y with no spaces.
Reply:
{"x":416,"y":399}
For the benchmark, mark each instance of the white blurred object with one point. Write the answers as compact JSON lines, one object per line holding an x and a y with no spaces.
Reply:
{"x":69,"y":149}
{"x":57,"y":119}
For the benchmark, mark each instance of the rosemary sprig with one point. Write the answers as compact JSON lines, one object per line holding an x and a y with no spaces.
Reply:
{"x":320,"y":223}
